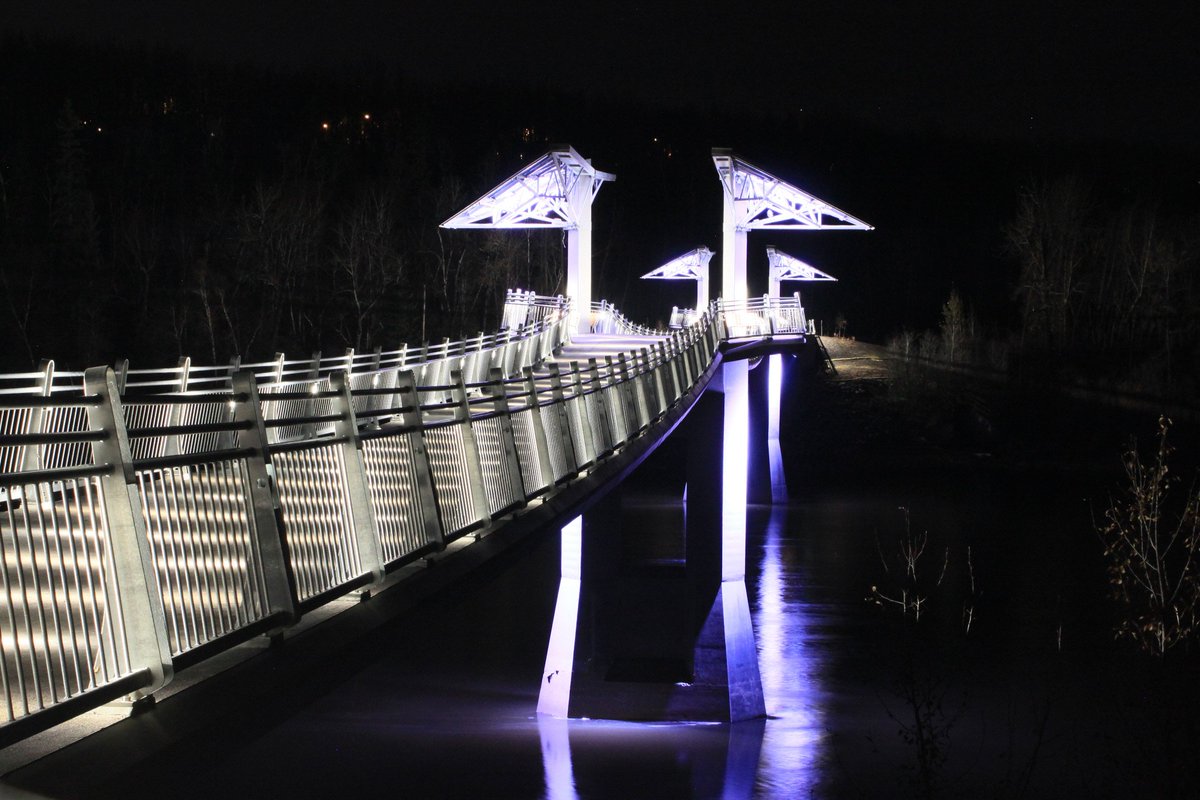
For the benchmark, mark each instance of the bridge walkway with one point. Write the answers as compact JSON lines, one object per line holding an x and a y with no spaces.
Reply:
{"x":138,"y":544}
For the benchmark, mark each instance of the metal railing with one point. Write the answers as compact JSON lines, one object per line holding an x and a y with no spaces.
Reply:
{"x":762,"y":316}
{"x":510,"y":351}
{"x":513,"y":347}
{"x":522,"y":309}
{"x":154,"y":529}
{"x":605,"y":318}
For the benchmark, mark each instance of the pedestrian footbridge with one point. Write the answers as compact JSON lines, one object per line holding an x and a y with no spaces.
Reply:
{"x":151,"y":519}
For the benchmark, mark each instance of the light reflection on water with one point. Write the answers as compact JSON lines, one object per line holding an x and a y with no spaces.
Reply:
{"x":794,"y":736}
{"x":608,"y":758}
{"x":778,"y":757}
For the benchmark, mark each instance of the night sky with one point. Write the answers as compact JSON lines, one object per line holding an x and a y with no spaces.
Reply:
{"x":1073,"y":71}
{"x":923,"y":118}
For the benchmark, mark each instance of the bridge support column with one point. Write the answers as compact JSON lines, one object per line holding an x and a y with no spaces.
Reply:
{"x":653,"y":622}
{"x":554,"y":696}
{"x":727,"y":637}
{"x":779,"y":490}
{"x":579,"y":253}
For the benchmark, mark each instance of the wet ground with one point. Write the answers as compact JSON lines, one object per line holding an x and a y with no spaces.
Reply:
{"x":1009,"y":685}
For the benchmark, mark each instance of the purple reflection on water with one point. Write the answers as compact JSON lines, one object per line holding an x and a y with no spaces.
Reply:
{"x":608,"y":758}
{"x":794,"y":737}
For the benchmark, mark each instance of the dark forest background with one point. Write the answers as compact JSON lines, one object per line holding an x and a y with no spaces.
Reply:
{"x":154,"y":205}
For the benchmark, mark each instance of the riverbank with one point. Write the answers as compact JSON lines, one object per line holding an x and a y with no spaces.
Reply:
{"x":1011,"y":684}
{"x":880,"y":419}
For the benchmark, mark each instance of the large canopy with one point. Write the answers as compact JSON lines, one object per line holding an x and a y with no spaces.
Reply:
{"x":764,"y":202}
{"x":543,"y":195}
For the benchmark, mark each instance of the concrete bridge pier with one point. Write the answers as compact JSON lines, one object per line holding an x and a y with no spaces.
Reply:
{"x":654,"y":623}
{"x":779,"y":489}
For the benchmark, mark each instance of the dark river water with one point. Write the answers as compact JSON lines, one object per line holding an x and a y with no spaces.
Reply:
{"x":1008,"y":685}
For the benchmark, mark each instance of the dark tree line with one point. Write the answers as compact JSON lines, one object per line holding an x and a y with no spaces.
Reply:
{"x":153,"y":206}
{"x":166,"y":208}
{"x":1114,"y":287}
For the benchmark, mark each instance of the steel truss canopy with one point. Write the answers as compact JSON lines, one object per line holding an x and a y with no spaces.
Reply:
{"x":692,"y":265}
{"x":545,"y":194}
{"x":785,"y":267}
{"x":764,"y":202}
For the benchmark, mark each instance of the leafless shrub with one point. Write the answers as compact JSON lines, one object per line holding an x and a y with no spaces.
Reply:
{"x":1151,"y":545}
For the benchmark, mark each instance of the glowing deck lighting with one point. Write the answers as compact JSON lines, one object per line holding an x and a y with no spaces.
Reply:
{"x":553,"y":191}
{"x":691,"y":266}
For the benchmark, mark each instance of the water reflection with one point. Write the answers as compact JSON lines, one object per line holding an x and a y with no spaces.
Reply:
{"x":780,"y":756}
{"x":556,"y":758}
{"x":791,"y":674}
{"x":680,"y":759}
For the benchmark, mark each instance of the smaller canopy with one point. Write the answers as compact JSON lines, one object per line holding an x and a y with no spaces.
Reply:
{"x":790,"y":268}
{"x":691,"y":266}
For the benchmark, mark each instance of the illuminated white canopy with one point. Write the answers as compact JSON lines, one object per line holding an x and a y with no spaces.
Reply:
{"x":789,"y":268}
{"x":691,"y":266}
{"x":764,"y":202}
{"x":545,"y":194}
{"x":554,"y":191}
{"x":784,"y":267}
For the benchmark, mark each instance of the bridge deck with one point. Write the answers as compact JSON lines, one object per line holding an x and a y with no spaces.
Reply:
{"x":318,"y":486}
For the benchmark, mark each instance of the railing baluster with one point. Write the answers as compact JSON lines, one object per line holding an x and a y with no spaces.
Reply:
{"x":508,"y":444}
{"x":366,"y":533}
{"x":131,"y":588}
{"x":462,"y":416}
{"x":279,"y":580}
{"x":410,"y":417}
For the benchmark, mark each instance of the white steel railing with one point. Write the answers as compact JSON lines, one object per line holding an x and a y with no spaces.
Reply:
{"x":605,"y":318}
{"x":187,"y":522}
{"x":512,"y":348}
{"x":522,"y":308}
{"x":511,"y":351}
{"x":762,"y":316}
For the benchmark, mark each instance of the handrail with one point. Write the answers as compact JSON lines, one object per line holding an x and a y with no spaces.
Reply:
{"x":539,"y":333}
{"x":243,"y":509}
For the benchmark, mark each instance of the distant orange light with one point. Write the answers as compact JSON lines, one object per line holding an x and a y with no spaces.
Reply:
{"x":366,"y":116}
{"x":325,"y":126}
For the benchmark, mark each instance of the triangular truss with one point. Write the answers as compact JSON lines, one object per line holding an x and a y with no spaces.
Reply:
{"x":764,"y":202}
{"x":789,"y":268}
{"x":539,"y":196}
{"x":692,"y":265}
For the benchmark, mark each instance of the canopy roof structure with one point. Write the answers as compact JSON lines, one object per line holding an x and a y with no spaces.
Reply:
{"x":764,"y":202}
{"x":785,"y":267}
{"x":691,"y":266}
{"x":545,"y":194}
{"x":553,"y":191}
